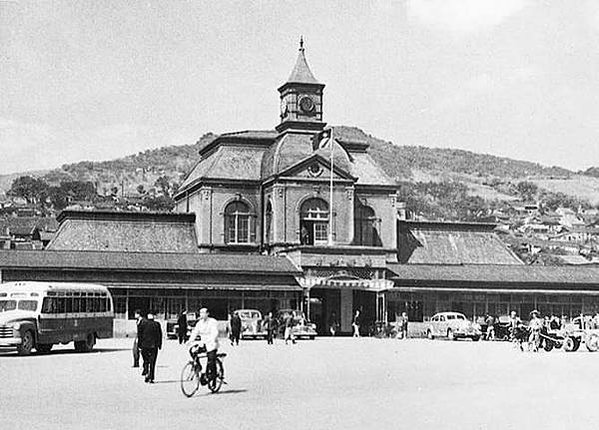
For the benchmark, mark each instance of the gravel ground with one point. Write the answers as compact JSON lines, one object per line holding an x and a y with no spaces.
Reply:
{"x":327,"y":383}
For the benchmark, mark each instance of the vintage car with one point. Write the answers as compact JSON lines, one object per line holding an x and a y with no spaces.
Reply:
{"x":582,"y":329}
{"x":302,"y":328}
{"x":251,"y":324}
{"x":172,"y":326}
{"x":452,"y":325}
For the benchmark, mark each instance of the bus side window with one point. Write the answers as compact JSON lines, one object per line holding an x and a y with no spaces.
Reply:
{"x":76,"y":304}
{"x":103,"y":304}
{"x":49,"y":305}
{"x":69,"y":304}
{"x":61,"y":302}
{"x":83,"y":305}
{"x":90,"y":304}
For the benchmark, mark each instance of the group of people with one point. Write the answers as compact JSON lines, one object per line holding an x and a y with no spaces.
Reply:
{"x":148,"y":341}
{"x":269,"y":325}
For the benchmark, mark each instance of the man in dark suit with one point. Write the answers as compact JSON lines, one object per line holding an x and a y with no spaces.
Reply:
{"x":138,"y":320}
{"x":149,"y":335}
{"x":182,"y":327}
{"x":235,"y":328}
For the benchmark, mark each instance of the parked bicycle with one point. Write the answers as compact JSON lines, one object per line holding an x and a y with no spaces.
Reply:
{"x":192,"y":376}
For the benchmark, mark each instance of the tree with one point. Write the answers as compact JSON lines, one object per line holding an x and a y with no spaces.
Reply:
{"x":160,"y":203}
{"x":163,"y":184}
{"x":33,"y":190}
{"x":527,"y":190}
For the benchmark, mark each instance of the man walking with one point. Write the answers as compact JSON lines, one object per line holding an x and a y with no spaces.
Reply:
{"x":269,"y":325}
{"x":182,"y":327}
{"x":235,"y":328}
{"x":289,"y":323}
{"x":149,"y":334}
{"x":135,"y":348}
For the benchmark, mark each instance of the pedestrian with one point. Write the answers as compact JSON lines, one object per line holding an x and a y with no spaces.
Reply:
{"x":135,"y":349}
{"x":235,"y":328}
{"x":404,"y":325}
{"x":356,"y":323}
{"x":269,"y":325}
{"x":333,"y":324}
{"x":149,"y":335}
{"x":289,"y":323}
{"x":182,"y":327}
{"x":535,"y":325}
{"x":490,"y":322}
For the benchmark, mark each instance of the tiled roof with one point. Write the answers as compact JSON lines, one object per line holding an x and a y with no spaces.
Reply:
{"x":228,"y":162}
{"x":140,"y":261}
{"x":452,"y":243}
{"x":551,"y":277}
{"x":251,"y":134}
{"x":118,"y":231}
{"x":368,"y":172}
{"x":25,"y":225}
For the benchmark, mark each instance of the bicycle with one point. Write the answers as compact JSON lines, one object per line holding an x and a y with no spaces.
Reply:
{"x":192,"y":376}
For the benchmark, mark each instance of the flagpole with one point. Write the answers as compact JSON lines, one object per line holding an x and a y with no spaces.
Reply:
{"x":332,"y":141}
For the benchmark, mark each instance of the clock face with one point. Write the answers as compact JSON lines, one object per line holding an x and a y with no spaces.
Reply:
{"x":306,"y":104}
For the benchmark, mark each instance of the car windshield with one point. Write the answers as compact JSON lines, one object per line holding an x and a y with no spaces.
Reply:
{"x":24,"y":305}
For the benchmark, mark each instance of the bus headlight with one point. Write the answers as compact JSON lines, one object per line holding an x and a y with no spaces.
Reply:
{"x":15,"y":325}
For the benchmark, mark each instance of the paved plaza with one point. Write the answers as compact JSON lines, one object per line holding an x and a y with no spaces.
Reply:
{"x":327,"y":383}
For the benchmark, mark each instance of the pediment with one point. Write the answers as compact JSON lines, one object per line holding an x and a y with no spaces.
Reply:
{"x":316,"y":167}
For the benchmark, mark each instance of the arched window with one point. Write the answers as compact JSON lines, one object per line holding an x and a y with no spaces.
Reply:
{"x":268,"y":223}
{"x":238,"y":223}
{"x":314,"y":222}
{"x":366,"y":227}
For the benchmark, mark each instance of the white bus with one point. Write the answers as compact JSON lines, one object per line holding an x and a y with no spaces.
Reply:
{"x":38,"y":315}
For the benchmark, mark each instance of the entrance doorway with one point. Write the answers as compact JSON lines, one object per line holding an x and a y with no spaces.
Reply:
{"x":325,"y":308}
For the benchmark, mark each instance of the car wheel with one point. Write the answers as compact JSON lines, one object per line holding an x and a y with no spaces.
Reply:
{"x":592,"y":343}
{"x":548,"y":345}
{"x":86,"y":345}
{"x":476,"y":338}
{"x":569,"y":344}
{"x":311,"y":337}
{"x":450,"y":335}
{"x":429,"y":335}
{"x":26,"y":343}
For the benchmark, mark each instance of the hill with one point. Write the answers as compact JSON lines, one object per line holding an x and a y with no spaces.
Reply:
{"x":439,"y":183}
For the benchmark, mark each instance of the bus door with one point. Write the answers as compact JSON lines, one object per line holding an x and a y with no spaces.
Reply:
{"x":51,"y":319}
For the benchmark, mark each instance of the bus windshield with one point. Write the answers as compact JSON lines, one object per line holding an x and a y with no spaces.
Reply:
{"x":24,"y":305}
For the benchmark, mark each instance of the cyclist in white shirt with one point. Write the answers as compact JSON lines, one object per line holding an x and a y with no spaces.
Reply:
{"x":207,"y":330}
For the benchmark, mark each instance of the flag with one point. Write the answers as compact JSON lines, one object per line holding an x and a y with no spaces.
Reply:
{"x":320,"y":140}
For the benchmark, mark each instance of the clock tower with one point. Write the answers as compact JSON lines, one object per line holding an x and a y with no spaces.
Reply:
{"x":301,"y":98}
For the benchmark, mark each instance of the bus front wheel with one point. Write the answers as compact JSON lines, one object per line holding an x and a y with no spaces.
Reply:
{"x":86,"y":345}
{"x":26,"y":343}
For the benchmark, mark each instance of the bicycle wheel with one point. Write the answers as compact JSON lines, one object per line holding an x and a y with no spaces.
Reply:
{"x":216,"y":382}
{"x":190,"y":379}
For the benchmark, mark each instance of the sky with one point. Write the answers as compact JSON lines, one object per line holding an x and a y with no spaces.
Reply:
{"x":84,"y":80}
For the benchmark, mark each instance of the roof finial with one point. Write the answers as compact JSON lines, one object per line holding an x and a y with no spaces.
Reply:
{"x":301,"y":44}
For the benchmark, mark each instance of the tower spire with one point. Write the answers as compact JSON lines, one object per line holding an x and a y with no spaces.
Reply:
{"x":301,"y":48}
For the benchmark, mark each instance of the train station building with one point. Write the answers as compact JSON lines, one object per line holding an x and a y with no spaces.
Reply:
{"x":300,"y":216}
